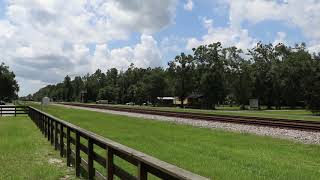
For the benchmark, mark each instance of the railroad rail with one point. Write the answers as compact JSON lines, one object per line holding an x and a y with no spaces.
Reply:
{"x":271,"y":122}
{"x":85,"y":151}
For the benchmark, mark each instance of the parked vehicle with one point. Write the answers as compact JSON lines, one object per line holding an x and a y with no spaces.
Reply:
{"x":130,"y":103}
{"x":102,"y":102}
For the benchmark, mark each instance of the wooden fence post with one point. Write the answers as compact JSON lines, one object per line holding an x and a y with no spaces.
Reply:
{"x":142,"y":173}
{"x":61,"y":140}
{"x":51,"y":126}
{"x":40,"y":123}
{"x":109,"y":165}
{"x":48,"y":128}
{"x":68,"y":151}
{"x":44,"y":125}
{"x":56,"y":135}
{"x":90,"y":159}
{"x":77,"y":158}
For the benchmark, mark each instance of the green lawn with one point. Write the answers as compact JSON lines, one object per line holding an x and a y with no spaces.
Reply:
{"x":299,"y":114}
{"x":211,"y":153}
{"x":25,"y":153}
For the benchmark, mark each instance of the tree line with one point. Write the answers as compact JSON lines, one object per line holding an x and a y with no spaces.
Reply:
{"x":277,"y":75}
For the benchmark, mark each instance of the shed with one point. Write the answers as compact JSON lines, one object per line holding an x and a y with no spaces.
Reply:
{"x":166,"y":100}
{"x":45,"y":101}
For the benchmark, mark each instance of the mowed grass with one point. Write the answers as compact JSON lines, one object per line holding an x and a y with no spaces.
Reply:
{"x":212,"y":153}
{"x":299,"y":114}
{"x":25,"y":153}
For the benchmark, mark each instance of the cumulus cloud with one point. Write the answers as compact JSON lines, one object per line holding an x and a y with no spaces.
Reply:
{"x":144,"y":54}
{"x":302,"y":14}
{"x":228,"y":36}
{"x":188,"y":5}
{"x":281,"y":38}
{"x":42,"y":41}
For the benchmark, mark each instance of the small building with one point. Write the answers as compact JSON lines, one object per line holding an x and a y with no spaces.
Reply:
{"x":254,"y":103}
{"x":83,"y":96}
{"x":45,"y":101}
{"x":194,"y":100}
{"x":166,"y":101}
{"x":177,"y":101}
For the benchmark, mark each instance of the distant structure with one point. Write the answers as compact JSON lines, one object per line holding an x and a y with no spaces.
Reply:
{"x":193,"y":100}
{"x":254,"y":103}
{"x":45,"y":101}
{"x":83,"y":95}
{"x":102,"y":102}
{"x":166,"y":101}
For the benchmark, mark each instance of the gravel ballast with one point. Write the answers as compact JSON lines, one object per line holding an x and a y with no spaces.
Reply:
{"x":306,"y":137}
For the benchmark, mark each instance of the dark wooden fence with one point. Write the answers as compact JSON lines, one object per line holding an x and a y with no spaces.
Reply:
{"x":78,"y":146}
{"x":13,"y":110}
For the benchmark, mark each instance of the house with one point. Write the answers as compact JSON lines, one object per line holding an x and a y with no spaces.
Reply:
{"x":177,"y":101}
{"x":166,"y":101}
{"x":193,"y":100}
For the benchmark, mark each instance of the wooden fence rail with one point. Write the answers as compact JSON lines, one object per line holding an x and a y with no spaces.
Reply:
{"x":13,"y":110}
{"x":78,"y":146}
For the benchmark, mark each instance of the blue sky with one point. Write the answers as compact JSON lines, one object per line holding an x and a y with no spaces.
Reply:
{"x":43,"y":41}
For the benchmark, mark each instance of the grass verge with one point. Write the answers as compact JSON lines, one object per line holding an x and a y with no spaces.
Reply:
{"x":25,"y":153}
{"x":211,"y":153}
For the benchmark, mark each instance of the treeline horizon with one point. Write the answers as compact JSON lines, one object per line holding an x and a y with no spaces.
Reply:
{"x":277,"y":75}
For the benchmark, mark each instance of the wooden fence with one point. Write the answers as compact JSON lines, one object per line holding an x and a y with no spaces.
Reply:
{"x":79,"y":146}
{"x":13,"y":110}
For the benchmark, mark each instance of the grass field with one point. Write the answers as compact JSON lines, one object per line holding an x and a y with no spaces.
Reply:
{"x":25,"y":153}
{"x":212,"y":153}
{"x":299,"y":114}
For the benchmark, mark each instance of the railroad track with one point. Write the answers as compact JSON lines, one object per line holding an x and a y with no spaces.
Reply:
{"x":271,"y":122}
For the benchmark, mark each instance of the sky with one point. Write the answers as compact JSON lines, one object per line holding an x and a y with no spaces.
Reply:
{"x":42,"y":41}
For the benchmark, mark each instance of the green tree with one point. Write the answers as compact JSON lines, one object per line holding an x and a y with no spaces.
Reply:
{"x":108,"y":93}
{"x":266,"y":87}
{"x":67,"y":89}
{"x":112,"y":77}
{"x":93,"y":83}
{"x":296,"y":69}
{"x":312,"y":84}
{"x":240,"y":76}
{"x":181,"y":69}
{"x":8,"y":85}
{"x":155,"y":84}
{"x":77,"y":86}
{"x":211,"y":70}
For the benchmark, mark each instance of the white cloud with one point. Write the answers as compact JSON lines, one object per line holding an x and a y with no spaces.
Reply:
{"x":303,"y":14}
{"x":228,"y":36}
{"x":281,"y":38}
{"x":172,"y":45}
{"x":42,"y":41}
{"x":188,"y":5}
{"x":144,"y":54}
{"x":314,"y":47}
